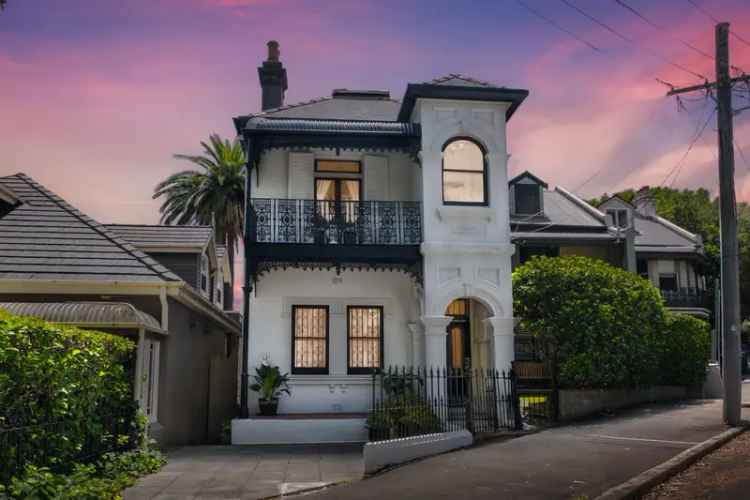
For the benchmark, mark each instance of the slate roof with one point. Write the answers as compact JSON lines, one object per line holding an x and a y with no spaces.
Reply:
{"x":45,"y":238}
{"x":101,"y":314}
{"x":340,"y":106}
{"x":154,"y":237}
{"x":564,"y":218}
{"x":655,"y":234}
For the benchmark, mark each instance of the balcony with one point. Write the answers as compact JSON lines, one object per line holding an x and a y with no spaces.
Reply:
{"x":686,"y":298}
{"x":334,"y":232}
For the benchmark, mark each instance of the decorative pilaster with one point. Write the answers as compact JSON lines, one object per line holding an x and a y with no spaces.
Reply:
{"x":417,"y":343}
{"x":435,"y":331}
{"x":504,"y":348}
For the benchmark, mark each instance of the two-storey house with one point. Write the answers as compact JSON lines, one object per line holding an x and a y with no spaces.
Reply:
{"x":383,"y":232}
{"x":668,"y":255}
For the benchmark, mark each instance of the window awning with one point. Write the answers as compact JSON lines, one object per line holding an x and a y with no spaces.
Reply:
{"x":87,"y":314}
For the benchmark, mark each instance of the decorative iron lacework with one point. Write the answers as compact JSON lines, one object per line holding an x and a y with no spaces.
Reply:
{"x":414,"y":270}
{"x":337,"y":222}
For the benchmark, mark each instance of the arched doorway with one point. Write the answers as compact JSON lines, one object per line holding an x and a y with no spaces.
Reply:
{"x":466,"y":340}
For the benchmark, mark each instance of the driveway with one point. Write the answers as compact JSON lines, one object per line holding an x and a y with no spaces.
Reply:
{"x":583,"y":459}
{"x":248,"y":472}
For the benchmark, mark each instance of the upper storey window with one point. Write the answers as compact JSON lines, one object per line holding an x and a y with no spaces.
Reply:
{"x":526,"y":195}
{"x":464,"y":173}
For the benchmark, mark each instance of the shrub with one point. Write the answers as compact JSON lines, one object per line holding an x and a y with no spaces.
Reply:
{"x":403,"y":416}
{"x":70,"y":389}
{"x":597,"y":324}
{"x":101,"y":481}
{"x":685,"y":350}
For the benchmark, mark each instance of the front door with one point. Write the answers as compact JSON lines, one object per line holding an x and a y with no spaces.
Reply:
{"x":458,"y":358}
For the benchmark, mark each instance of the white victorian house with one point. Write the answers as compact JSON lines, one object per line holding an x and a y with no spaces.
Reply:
{"x":382,"y":233}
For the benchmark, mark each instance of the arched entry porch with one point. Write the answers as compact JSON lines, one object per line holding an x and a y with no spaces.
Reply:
{"x":468,"y":344}
{"x":469,"y":334}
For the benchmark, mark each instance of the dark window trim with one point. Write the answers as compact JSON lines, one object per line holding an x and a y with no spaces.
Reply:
{"x":485,"y":174}
{"x":540,"y":196}
{"x":338,"y":186}
{"x":311,"y":371}
{"x":359,"y":370}
{"x":358,"y":162}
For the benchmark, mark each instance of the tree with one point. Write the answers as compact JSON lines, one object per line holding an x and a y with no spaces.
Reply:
{"x":212,"y":195}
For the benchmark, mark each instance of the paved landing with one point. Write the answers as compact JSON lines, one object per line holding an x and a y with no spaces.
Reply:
{"x":248,"y":472}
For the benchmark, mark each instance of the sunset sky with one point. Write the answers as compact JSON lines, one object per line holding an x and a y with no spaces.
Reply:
{"x":96,"y":95}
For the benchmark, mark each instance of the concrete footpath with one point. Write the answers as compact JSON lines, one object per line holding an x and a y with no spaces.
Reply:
{"x":581,"y":460}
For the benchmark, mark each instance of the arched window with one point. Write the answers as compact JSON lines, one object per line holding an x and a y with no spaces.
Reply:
{"x":464,"y":173}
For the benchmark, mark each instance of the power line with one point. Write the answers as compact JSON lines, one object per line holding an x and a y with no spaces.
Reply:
{"x":658,"y":27}
{"x":742,"y":155}
{"x":678,"y":165}
{"x":558,"y":26}
{"x":715,"y":20}
{"x":630,"y":40}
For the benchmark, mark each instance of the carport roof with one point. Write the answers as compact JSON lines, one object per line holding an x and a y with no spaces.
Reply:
{"x":87,"y":314}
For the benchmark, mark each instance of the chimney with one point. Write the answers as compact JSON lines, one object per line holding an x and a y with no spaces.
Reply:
{"x":272,"y":76}
{"x":644,"y":202}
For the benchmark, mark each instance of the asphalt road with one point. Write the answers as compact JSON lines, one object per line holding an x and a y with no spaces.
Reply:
{"x":565,"y":462}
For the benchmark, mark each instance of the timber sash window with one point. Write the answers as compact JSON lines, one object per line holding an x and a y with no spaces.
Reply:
{"x":309,"y":339}
{"x":464,"y":173}
{"x":364,"y":338}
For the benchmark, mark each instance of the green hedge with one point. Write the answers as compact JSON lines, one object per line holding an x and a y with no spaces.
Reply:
{"x":604,"y":327}
{"x":68,"y":390}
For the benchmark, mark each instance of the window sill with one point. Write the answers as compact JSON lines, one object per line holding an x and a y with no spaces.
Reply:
{"x":330,"y":379}
{"x":450,"y":213}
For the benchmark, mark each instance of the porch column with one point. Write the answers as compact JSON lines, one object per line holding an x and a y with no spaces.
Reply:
{"x":417,"y":343}
{"x":435,"y":332}
{"x":504,"y":348}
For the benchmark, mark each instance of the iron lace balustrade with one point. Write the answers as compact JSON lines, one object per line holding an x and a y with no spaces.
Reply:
{"x":327,"y":222}
{"x":685,"y":297}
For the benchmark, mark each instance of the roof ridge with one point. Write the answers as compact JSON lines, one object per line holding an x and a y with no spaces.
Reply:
{"x":459,"y":76}
{"x":161,"y":271}
{"x":294,"y":105}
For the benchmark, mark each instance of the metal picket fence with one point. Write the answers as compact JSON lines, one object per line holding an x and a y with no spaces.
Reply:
{"x":416,"y":401}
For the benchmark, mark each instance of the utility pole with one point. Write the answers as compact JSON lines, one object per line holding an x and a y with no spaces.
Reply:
{"x":730,"y":292}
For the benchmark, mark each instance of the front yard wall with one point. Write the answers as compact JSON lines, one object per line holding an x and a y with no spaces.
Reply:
{"x":579,"y":403}
{"x":271,"y":331}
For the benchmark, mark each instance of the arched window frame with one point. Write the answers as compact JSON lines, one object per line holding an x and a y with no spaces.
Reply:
{"x":485,"y":177}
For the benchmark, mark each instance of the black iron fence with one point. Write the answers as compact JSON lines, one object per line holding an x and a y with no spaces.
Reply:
{"x":417,"y":401}
{"x":59,"y":444}
{"x":328,"y":222}
{"x":685,"y":297}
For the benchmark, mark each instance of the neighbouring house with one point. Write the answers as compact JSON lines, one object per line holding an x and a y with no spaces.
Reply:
{"x":671,"y":257}
{"x":191,"y":252}
{"x":58,"y":264}
{"x":383,"y":233}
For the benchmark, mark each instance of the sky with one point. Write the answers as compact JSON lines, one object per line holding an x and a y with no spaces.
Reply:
{"x":97,"y":95}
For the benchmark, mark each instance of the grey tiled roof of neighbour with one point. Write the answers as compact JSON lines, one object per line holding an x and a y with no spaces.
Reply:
{"x":101,"y":314}
{"x":654,"y":234}
{"x":154,"y":237}
{"x":45,"y":238}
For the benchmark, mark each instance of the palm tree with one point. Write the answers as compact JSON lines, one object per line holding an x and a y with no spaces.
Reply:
{"x":213,"y":194}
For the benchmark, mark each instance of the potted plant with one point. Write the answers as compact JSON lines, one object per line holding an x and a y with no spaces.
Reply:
{"x":270,"y":383}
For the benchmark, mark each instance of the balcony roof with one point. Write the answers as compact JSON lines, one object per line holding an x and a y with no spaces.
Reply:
{"x":262,"y":124}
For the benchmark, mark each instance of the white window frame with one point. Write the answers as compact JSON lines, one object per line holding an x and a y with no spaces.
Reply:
{"x":219,"y":289}
{"x":149,"y":378}
{"x":204,"y":281}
